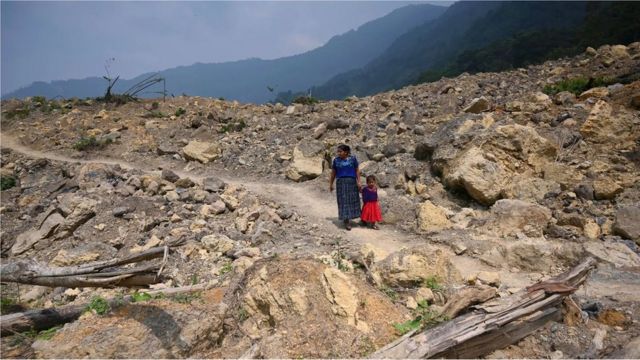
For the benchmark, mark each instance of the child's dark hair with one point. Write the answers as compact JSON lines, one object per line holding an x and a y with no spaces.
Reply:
{"x":344,"y":148}
{"x":371,"y":177}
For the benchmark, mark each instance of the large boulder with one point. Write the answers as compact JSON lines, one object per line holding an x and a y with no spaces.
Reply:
{"x":491,"y":162}
{"x":566,"y":176}
{"x":444,"y":145}
{"x":509,"y":217}
{"x":479,"y":173}
{"x":203,"y":152}
{"x":432,"y":217}
{"x":613,"y":252}
{"x":217,"y":243}
{"x":530,"y":188}
{"x":91,"y":175}
{"x":307,"y":161}
{"x":411,"y":267}
{"x":48,"y":223}
{"x":605,"y":126}
{"x":478,"y":105}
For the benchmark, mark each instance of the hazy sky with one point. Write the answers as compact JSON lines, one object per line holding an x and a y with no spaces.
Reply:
{"x":72,"y":40}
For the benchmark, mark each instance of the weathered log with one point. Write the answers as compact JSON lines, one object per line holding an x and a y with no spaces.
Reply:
{"x":493,"y":325}
{"x":42,"y":319}
{"x":466,"y":297}
{"x":94,"y":274}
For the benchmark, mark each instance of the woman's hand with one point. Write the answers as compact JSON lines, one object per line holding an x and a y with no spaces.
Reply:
{"x":330,"y":187}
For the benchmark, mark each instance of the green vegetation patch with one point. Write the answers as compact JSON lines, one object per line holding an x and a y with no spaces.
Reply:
{"x":186,"y":298}
{"x":154,"y":114}
{"x":305,"y":100}
{"x":48,"y":334}
{"x":227,"y":267}
{"x":7,"y":182}
{"x":87,"y":143}
{"x":432,"y":283}
{"x":20,"y":113}
{"x":424,"y":317}
{"x":99,"y":305}
{"x":140,"y":297}
{"x":576,"y":85}
{"x":236,"y":126}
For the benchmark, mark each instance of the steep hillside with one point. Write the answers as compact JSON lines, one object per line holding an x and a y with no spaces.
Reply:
{"x":250,"y":80}
{"x":488,"y":183}
{"x":488,"y":36}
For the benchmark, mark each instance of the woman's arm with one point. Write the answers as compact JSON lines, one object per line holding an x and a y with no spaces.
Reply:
{"x":331,"y":178}
{"x":358,"y":177}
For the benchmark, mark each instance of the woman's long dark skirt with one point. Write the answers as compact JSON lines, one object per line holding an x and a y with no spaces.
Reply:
{"x":348,"y":198}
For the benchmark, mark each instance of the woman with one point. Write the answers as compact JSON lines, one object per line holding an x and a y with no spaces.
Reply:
{"x":345,"y":169}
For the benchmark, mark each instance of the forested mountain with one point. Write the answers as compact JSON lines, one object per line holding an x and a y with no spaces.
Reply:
{"x":256,"y":80}
{"x":489,"y":36}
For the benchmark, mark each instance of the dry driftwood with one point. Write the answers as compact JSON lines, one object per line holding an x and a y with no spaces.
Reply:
{"x":466,"y":297}
{"x":96,"y":274}
{"x":42,"y":319}
{"x":494,"y":325}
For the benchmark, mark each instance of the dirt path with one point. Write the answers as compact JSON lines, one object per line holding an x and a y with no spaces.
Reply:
{"x":318,"y":207}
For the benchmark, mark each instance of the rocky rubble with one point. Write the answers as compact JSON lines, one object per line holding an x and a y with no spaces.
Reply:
{"x":484,"y":169}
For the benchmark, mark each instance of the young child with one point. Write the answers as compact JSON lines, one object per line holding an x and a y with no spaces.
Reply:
{"x":371,"y":213}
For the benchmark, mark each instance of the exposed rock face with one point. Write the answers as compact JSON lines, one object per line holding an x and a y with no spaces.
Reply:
{"x":307,"y":161}
{"x":412,"y":266}
{"x":53,"y":225}
{"x":613,"y":253}
{"x":532,"y":189}
{"x":512,"y":216}
{"x":84,"y":254}
{"x":477,"y":105}
{"x":479,"y":174}
{"x":50,"y":222}
{"x":627,"y":223}
{"x":164,"y":330}
{"x":289,"y":292}
{"x":218,"y":243}
{"x":605,"y":126}
{"x":485,"y":170}
{"x":203,"y":152}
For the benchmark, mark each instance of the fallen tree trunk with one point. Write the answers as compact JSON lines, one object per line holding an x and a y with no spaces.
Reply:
{"x":96,"y":274}
{"x":43,"y":319}
{"x":495,"y":324}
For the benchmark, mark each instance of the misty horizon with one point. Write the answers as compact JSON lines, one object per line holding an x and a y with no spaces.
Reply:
{"x":73,"y":40}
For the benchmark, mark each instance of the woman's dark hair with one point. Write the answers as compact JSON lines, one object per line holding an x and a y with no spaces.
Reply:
{"x":344,"y":148}
{"x":371,"y":177}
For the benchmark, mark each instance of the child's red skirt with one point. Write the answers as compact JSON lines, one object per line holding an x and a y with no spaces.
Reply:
{"x":371,"y":212}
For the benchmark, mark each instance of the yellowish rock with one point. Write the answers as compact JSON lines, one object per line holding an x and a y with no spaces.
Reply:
{"x":432,"y":217}
{"x":605,"y":189}
{"x":591,"y":229}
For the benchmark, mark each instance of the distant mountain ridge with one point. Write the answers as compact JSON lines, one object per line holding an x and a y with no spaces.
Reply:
{"x":488,"y":36}
{"x":251,"y":80}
